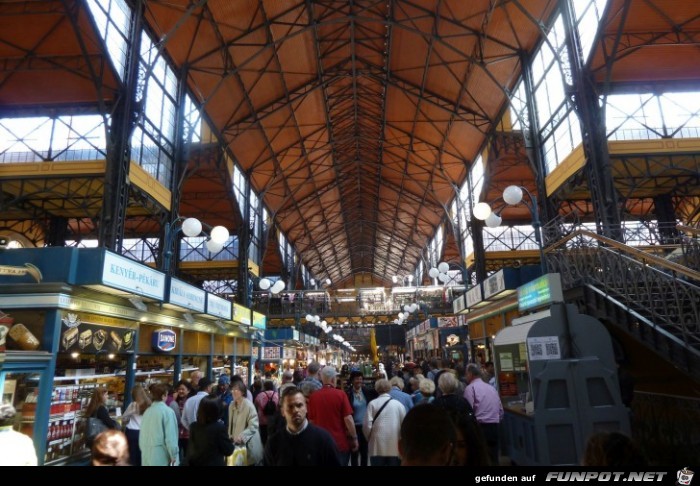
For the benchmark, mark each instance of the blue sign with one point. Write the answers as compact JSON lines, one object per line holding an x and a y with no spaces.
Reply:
{"x":540,"y":292}
{"x":164,"y":340}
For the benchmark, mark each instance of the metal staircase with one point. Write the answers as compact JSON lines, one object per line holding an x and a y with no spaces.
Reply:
{"x":654,"y":299}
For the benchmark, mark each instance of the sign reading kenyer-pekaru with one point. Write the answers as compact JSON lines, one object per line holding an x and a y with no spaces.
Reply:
{"x":125,"y":274}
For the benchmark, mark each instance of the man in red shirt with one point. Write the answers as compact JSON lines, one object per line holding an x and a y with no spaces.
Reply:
{"x":329,"y":408}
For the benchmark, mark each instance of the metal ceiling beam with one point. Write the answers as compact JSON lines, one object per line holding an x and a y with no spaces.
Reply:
{"x":251,"y":107}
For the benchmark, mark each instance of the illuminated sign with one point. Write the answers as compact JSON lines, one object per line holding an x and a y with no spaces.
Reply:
{"x":474,"y":296}
{"x":122,"y":273}
{"x":459,"y":304}
{"x":495,"y":284}
{"x":219,"y":307}
{"x":259,"y":320}
{"x":164,"y":340}
{"x":186,"y":295}
{"x":241,"y":314}
{"x":540,"y":292}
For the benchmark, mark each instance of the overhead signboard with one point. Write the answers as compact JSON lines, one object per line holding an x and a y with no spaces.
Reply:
{"x":459,"y":304}
{"x":540,"y":292}
{"x":494,"y":285}
{"x":133,"y":277}
{"x":474,"y":296}
{"x":241,"y":314}
{"x":259,"y":320}
{"x":163,"y":340}
{"x":219,"y":307}
{"x":186,"y":296}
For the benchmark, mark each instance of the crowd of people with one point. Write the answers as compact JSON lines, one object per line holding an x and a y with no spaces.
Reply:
{"x":423,"y":415}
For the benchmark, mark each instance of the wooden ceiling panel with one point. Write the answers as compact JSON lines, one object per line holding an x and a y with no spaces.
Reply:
{"x":49,"y":58}
{"x":644,"y":39}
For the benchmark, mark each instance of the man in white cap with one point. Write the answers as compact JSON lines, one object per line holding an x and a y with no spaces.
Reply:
{"x":16,"y":449}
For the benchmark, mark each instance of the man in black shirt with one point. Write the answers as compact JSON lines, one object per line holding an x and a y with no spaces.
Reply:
{"x":300,"y":443}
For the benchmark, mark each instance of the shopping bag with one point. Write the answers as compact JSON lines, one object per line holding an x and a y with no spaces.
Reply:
{"x":239,"y":457}
{"x":93,"y":428}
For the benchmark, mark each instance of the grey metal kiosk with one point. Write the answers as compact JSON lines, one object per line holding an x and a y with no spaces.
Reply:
{"x":572,"y":377}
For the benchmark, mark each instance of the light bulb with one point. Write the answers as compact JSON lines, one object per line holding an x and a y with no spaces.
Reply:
{"x":219,"y":234}
{"x":512,"y":195}
{"x":214,"y":246}
{"x":264,"y":284}
{"x":192,"y":227}
{"x":278,"y":287}
{"x":493,"y":221}
{"x":433,"y":272}
{"x":444,"y":267}
{"x":482,"y":210}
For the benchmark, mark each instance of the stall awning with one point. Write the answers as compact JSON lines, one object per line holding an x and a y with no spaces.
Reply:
{"x":517,"y":333}
{"x":513,"y":334}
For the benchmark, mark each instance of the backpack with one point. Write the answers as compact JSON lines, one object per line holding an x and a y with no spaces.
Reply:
{"x":270,"y":408}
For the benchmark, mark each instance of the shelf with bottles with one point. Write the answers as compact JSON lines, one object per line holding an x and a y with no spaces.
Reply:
{"x":65,"y":436}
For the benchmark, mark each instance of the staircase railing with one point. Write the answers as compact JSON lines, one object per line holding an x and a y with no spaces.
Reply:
{"x":690,"y":246}
{"x":665,"y":293}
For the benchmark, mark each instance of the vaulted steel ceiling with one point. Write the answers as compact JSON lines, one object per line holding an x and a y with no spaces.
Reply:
{"x":356,"y":120}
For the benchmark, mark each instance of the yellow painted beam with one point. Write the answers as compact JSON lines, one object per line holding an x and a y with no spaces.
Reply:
{"x":253,"y":268}
{"x":52,"y":169}
{"x":147,"y":183}
{"x":568,"y":167}
{"x":219,"y":264}
{"x":512,"y":254}
{"x":662,"y":146}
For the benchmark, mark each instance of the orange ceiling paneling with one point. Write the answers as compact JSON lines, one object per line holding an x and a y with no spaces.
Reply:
{"x":646,"y":39}
{"x":51,"y":56}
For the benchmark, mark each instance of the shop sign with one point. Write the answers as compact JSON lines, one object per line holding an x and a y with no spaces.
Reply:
{"x":186,"y":295}
{"x":259,"y":320}
{"x":271,"y":352}
{"x":447,"y":322}
{"x":218,"y":307}
{"x":495,"y":284}
{"x":473,"y":296}
{"x":125,"y":274}
{"x":452,"y":340}
{"x":77,"y":335}
{"x":241,"y":314}
{"x":459,"y":304}
{"x":28,"y":269}
{"x":540,"y":292}
{"x":164,"y":340}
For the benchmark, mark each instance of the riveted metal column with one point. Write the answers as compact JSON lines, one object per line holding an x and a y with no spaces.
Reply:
{"x":183,"y":139}
{"x":244,"y":292}
{"x":126,"y":112}
{"x":533,"y":148}
{"x":58,"y":231}
{"x":666,"y":216}
{"x":582,"y":92}
{"x":458,"y":232}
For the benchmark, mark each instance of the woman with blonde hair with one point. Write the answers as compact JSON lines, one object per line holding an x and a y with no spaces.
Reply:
{"x":427,"y":388}
{"x":97,"y":408}
{"x":243,"y":424}
{"x":132,"y":418}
